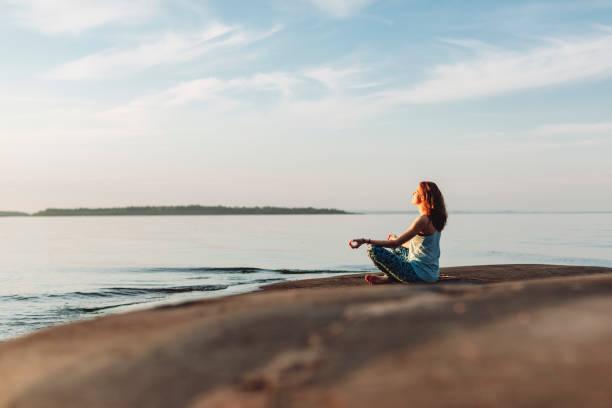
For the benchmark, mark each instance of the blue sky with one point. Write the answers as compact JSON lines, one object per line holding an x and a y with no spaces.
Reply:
{"x":329,"y":103}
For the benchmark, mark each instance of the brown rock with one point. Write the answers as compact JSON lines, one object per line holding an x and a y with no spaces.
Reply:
{"x":500,"y":335}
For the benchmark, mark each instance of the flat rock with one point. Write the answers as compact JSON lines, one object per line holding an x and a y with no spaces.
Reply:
{"x":496,"y":335}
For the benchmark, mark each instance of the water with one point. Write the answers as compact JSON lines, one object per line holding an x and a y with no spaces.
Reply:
{"x":56,"y":270}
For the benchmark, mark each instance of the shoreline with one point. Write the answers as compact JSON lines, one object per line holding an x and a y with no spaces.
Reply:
{"x":484,"y":335}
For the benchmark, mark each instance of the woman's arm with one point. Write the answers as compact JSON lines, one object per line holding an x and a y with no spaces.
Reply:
{"x":418,"y":225}
{"x":393,"y":236}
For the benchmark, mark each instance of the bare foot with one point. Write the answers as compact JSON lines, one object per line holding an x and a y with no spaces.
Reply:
{"x":377,"y":279}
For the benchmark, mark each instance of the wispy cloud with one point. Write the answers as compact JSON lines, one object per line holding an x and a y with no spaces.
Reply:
{"x":75,"y":16}
{"x":604,"y":27}
{"x":469,"y":44}
{"x":284,"y":86}
{"x":502,"y":71}
{"x":574,"y":129}
{"x":335,"y":79}
{"x":217,"y":90}
{"x":341,"y":8}
{"x":168,"y":49}
{"x":277,"y":101}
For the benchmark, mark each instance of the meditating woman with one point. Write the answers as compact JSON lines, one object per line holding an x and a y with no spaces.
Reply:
{"x":414,"y":255}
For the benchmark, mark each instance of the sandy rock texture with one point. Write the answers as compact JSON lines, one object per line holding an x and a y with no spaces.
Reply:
{"x":498,"y":335}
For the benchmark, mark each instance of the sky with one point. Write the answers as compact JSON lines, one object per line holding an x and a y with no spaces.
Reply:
{"x":506,"y":105}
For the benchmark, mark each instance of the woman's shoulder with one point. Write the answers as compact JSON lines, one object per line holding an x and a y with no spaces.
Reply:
{"x":422,"y":222}
{"x":425,"y":223}
{"x":423,"y":218}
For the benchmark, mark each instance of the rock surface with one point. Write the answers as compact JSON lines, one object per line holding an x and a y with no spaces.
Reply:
{"x":499,"y":335}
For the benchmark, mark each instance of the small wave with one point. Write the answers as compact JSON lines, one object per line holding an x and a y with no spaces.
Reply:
{"x":136,"y":291}
{"x":131,"y":291}
{"x":18,"y":297}
{"x":117,"y":291}
{"x":242,"y":270}
{"x":94,"y":309}
{"x":203,"y":269}
{"x":263,"y":281}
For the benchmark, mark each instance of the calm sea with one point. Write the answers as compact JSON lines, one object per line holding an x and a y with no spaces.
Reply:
{"x":56,"y":270}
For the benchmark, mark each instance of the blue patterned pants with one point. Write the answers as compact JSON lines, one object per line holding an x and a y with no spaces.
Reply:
{"x":394,"y":263}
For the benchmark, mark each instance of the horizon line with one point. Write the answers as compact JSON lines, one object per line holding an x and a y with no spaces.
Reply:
{"x":16,"y":213}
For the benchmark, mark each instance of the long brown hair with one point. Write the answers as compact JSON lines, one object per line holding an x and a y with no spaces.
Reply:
{"x":433,"y":202}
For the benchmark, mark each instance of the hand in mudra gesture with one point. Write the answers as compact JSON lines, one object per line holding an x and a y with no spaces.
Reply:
{"x":357,"y":242}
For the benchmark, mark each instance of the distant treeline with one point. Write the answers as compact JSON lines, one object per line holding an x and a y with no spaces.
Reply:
{"x":13,"y":214}
{"x":185,"y":210}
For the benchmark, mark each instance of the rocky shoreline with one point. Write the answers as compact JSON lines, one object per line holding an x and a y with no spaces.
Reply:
{"x":498,"y":335}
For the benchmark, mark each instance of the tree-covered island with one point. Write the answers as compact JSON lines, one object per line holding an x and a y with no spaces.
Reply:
{"x":13,"y":214}
{"x":185,"y":210}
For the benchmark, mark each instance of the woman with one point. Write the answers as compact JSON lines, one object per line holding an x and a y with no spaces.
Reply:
{"x":414,"y":255}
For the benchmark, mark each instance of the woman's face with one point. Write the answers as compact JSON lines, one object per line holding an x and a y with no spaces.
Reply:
{"x":417,"y":197}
